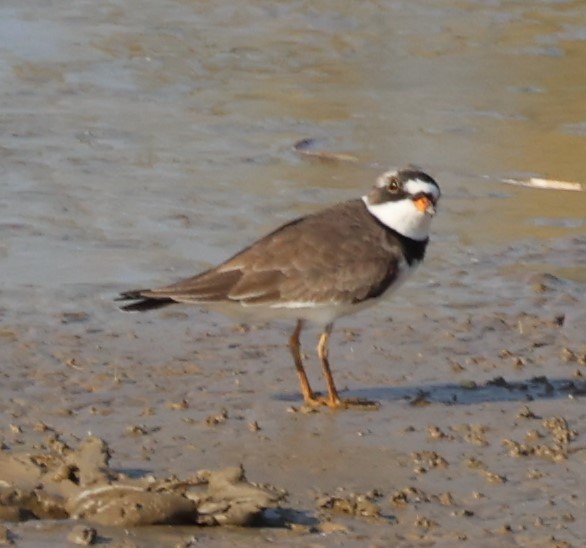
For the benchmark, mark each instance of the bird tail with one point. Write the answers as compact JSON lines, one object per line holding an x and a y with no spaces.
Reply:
{"x":142,"y":303}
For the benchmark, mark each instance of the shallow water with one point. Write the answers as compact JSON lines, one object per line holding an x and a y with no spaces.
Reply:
{"x":127,"y":132}
{"x":141,"y":144}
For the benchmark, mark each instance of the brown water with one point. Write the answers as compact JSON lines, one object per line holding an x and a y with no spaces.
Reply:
{"x":141,"y":142}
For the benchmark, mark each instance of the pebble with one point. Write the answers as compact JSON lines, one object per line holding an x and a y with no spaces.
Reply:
{"x":83,"y":535}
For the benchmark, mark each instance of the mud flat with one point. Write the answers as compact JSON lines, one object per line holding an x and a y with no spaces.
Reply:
{"x":140,"y":145}
{"x":480,"y":372}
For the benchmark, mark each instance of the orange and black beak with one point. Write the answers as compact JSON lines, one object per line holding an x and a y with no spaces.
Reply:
{"x":425,"y":204}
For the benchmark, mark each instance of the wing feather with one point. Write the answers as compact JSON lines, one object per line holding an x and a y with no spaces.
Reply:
{"x":335,"y":255}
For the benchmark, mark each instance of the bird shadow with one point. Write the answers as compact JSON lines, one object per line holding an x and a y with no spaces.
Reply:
{"x":497,"y":389}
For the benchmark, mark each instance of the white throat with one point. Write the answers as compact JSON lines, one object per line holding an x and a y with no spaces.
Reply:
{"x":402,"y":216}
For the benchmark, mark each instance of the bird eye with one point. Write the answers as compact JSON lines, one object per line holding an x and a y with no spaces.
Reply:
{"x":393,"y":185}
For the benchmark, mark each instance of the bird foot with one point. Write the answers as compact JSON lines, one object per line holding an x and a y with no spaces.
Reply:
{"x":343,"y":403}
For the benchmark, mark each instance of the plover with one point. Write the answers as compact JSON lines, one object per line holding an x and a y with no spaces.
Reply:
{"x":318,"y":268}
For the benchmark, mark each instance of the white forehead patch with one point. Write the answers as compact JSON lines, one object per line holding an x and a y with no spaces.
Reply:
{"x":414,"y":186}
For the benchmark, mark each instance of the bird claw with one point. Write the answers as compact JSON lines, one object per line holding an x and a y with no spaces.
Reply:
{"x":361,"y":404}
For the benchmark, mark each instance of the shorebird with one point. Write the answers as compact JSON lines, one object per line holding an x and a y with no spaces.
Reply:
{"x":318,"y":268}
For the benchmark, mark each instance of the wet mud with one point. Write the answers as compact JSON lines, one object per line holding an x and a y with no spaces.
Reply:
{"x":67,"y":483}
{"x":479,"y":434}
{"x":142,"y":145}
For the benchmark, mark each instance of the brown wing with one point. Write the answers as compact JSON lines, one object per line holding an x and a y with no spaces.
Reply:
{"x":340,"y":253}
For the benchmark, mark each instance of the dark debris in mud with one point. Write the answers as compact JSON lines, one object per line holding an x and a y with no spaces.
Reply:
{"x":469,"y":392}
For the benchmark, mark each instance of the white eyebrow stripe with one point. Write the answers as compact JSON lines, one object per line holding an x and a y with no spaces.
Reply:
{"x":414,"y":186}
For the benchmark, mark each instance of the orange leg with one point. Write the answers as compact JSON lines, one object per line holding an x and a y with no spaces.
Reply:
{"x":295,"y":348}
{"x":323,"y":351}
{"x":333,"y":400}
